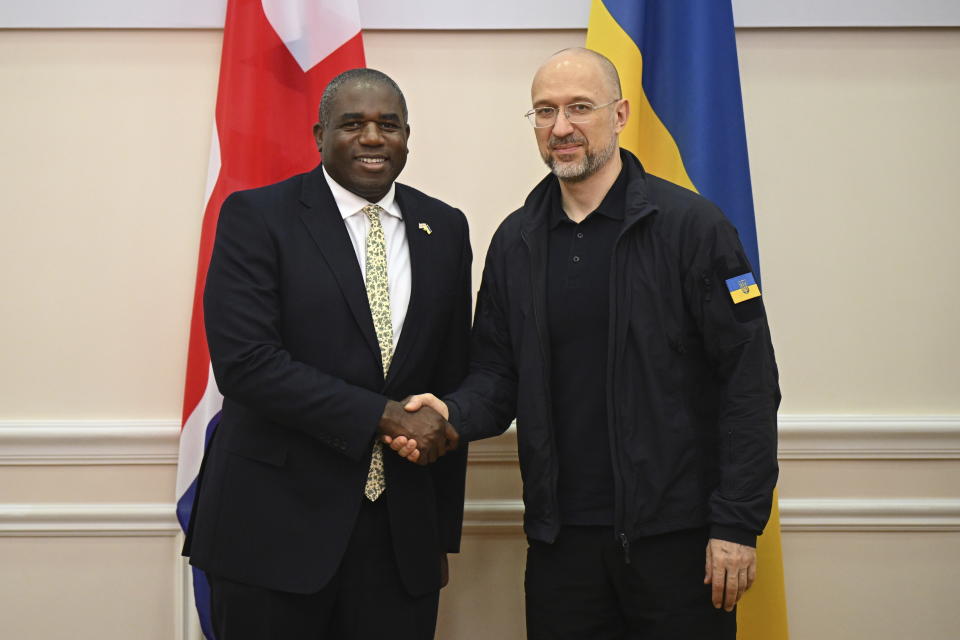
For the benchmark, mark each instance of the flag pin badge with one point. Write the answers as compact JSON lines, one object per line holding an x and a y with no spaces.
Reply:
{"x":423,"y":226}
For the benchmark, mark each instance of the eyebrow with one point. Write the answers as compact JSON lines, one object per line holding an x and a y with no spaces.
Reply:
{"x":573,"y":100}
{"x":359,"y":116}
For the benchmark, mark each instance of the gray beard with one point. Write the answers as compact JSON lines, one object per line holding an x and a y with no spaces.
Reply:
{"x":591,"y":163}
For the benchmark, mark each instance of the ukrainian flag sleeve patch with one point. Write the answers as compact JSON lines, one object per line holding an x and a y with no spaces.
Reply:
{"x":743,"y":288}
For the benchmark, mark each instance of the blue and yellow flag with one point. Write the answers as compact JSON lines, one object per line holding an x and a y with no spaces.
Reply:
{"x":677,"y":61}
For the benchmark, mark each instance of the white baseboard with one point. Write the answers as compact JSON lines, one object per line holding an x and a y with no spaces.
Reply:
{"x":802,"y":437}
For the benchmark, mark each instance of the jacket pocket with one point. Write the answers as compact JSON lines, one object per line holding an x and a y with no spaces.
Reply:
{"x":261,"y":443}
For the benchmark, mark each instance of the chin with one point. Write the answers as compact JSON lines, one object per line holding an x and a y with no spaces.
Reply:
{"x":372,"y":192}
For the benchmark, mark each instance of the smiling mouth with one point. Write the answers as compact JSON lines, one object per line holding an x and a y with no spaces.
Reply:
{"x":566,"y":145}
{"x":372,"y":161}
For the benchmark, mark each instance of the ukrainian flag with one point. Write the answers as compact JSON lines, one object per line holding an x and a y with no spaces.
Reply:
{"x":678,"y":66}
{"x":743,"y":287}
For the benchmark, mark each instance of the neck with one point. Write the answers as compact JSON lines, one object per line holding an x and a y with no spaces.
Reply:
{"x":581,"y":197}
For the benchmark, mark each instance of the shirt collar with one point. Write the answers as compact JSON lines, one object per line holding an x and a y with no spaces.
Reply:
{"x":350,"y":203}
{"x":612,"y":206}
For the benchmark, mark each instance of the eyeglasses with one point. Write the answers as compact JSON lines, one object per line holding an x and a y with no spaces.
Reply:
{"x":576,"y":112}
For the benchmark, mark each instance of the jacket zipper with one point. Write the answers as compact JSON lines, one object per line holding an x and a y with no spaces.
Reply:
{"x":612,"y":420}
{"x":546,"y":374}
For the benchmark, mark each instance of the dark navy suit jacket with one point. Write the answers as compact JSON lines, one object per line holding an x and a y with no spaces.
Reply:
{"x":295,"y":355}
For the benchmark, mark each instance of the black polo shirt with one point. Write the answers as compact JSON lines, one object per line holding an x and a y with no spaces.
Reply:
{"x":578,"y":312}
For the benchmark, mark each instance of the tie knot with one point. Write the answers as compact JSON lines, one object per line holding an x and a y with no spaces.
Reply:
{"x":372,"y":211}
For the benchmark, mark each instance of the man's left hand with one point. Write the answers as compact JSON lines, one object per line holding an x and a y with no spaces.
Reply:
{"x":731,"y":569}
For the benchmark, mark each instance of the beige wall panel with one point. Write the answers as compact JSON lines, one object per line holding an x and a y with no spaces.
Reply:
{"x":87,"y":588}
{"x":485,"y":596}
{"x":106,"y":136}
{"x":88,"y":483}
{"x":853,"y":140}
{"x":872,"y":586}
{"x":869,"y":478}
{"x":852,"y":136}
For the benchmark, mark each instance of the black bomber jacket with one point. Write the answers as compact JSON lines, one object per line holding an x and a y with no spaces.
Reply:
{"x":693,"y":387}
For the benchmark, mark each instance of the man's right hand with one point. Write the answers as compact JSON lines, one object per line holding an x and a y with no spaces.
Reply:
{"x":428,"y":431}
{"x":407,"y":447}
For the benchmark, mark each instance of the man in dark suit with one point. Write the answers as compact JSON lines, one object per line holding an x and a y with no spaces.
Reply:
{"x":330,"y":296}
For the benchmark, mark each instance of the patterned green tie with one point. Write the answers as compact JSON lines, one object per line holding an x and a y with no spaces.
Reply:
{"x":378,"y":295}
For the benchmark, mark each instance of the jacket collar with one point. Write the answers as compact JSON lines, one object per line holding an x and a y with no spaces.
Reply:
{"x":537,"y":205}
{"x":323,"y":221}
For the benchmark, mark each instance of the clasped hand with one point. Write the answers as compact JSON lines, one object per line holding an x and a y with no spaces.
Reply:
{"x":411,"y":446}
{"x":417,"y":430}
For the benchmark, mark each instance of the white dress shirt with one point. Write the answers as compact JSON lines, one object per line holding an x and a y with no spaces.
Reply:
{"x":398,"y":251}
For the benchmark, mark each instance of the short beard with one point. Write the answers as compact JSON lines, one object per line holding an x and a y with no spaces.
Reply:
{"x":589,"y":165}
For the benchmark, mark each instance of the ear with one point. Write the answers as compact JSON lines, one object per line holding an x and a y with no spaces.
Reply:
{"x":622,"y":114}
{"x":318,"y":135}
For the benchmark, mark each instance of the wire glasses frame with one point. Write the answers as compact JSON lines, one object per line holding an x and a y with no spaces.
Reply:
{"x":575,"y":112}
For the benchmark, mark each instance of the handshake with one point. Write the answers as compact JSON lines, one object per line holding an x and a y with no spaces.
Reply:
{"x":417,"y":429}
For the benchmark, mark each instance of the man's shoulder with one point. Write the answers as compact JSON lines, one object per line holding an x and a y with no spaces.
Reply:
{"x":417,"y":203}
{"x":284,"y":189}
{"x":411,"y":194}
{"x":681,"y":209}
{"x":513,"y":222}
{"x":667,"y":195}
{"x":508,"y":235}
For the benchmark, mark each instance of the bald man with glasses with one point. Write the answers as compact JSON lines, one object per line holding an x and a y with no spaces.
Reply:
{"x":645,"y":391}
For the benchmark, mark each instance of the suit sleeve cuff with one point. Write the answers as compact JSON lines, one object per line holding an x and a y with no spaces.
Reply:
{"x":733,"y":534}
{"x":456,"y":418}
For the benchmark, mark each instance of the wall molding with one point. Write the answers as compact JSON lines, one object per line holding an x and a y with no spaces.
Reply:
{"x":485,"y":517}
{"x":82,"y":442}
{"x":802,"y":437}
{"x":873,"y":514}
{"x":796,"y":515}
{"x":869,"y":437}
{"x":820,"y":437}
{"x":72,"y":520}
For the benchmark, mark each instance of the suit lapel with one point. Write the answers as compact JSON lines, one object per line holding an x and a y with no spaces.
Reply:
{"x":420,"y":265}
{"x":326,"y":227}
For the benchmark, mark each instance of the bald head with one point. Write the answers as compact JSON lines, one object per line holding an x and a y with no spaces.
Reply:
{"x":582,"y":61}
{"x":582,"y":144}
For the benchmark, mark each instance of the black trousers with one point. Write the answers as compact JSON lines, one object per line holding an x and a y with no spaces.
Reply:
{"x":364,"y":600}
{"x":581,"y":588}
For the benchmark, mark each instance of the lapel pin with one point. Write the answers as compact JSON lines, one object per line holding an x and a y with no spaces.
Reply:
{"x":423,"y":226}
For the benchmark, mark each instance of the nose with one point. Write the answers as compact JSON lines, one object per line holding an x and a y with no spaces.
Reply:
{"x":370,"y":134}
{"x":562,"y":126}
